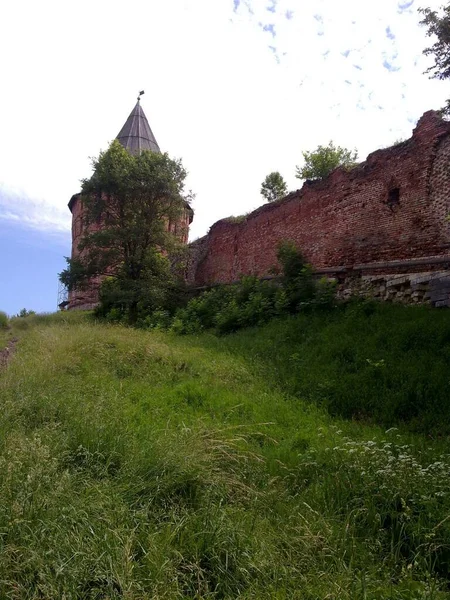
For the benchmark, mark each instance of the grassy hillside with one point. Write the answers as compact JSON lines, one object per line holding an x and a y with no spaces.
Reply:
{"x":144,"y":465}
{"x":380,"y":363}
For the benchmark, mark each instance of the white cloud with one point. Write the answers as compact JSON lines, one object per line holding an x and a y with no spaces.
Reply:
{"x":216,"y":94}
{"x":17,"y":207}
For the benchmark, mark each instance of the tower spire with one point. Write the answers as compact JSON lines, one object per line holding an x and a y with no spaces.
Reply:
{"x":136,"y":135}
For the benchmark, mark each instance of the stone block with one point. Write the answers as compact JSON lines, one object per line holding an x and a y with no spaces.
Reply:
{"x":442,"y":303}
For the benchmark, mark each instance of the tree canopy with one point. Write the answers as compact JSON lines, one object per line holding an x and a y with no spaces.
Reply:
{"x":438,"y":25}
{"x":320,"y":162}
{"x":273,"y":187}
{"x":128,"y":203}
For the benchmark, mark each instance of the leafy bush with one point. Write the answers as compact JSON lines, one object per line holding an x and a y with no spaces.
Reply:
{"x":134,"y":301}
{"x":298,"y":280}
{"x":253,"y":301}
{"x":159,"y":304}
{"x":158,"y":319}
{"x":325,"y":292}
{"x":228,"y":308}
{"x":319,"y":163}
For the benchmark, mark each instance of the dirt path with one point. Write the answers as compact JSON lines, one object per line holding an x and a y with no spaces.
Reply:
{"x":7,"y":352}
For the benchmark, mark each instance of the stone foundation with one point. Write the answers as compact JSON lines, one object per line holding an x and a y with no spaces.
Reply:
{"x":431,"y":287}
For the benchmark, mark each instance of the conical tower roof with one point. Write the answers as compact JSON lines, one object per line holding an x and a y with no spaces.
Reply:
{"x":136,"y":135}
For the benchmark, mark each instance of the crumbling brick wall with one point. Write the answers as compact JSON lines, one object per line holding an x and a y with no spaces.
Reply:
{"x":391,"y":207}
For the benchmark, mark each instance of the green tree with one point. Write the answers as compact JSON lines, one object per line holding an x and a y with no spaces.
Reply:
{"x":320,"y":162}
{"x":128,"y":202}
{"x":273,"y":187}
{"x":438,"y":25}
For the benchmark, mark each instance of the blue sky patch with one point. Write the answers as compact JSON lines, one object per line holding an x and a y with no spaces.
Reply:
{"x":272,"y":6}
{"x":275,"y":53}
{"x":270,"y":27}
{"x":405,"y":5}
{"x":289,"y":14}
{"x":345,"y":53}
{"x":389,"y":66}
{"x":31,"y":279}
{"x":389,"y":33}
{"x":246,"y":3}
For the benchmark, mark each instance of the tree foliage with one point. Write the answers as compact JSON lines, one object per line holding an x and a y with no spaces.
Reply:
{"x":128,"y":202}
{"x":438,"y":25}
{"x":320,"y":162}
{"x":252,"y":301}
{"x":273,"y":187}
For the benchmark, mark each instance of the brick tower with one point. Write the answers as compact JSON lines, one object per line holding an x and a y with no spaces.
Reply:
{"x":135,"y":136}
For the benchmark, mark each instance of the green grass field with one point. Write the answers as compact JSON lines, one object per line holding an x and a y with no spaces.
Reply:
{"x":138,"y":464}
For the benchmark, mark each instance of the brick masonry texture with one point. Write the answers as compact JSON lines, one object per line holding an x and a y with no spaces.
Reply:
{"x":385,"y":212}
{"x":87,"y":298}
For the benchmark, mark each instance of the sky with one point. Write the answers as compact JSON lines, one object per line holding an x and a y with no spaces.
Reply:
{"x":235,"y":88}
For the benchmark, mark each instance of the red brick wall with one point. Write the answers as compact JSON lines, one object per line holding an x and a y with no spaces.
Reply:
{"x":86,"y":298}
{"x":345,"y":220}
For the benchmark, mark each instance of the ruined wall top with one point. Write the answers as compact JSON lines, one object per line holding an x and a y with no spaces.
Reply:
{"x":390,"y":207}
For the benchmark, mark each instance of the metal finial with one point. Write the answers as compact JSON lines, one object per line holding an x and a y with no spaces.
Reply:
{"x":141,"y":93}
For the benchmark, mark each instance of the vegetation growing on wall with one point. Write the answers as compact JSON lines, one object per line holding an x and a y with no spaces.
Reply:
{"x":273,"y":187}
{"x":319,"y":163}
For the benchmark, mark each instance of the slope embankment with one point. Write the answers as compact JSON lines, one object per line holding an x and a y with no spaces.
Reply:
{"x":138,"y":464}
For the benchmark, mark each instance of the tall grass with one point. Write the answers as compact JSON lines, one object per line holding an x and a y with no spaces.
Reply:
{"x":144,"y":465}
{"x":373,"y":362}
